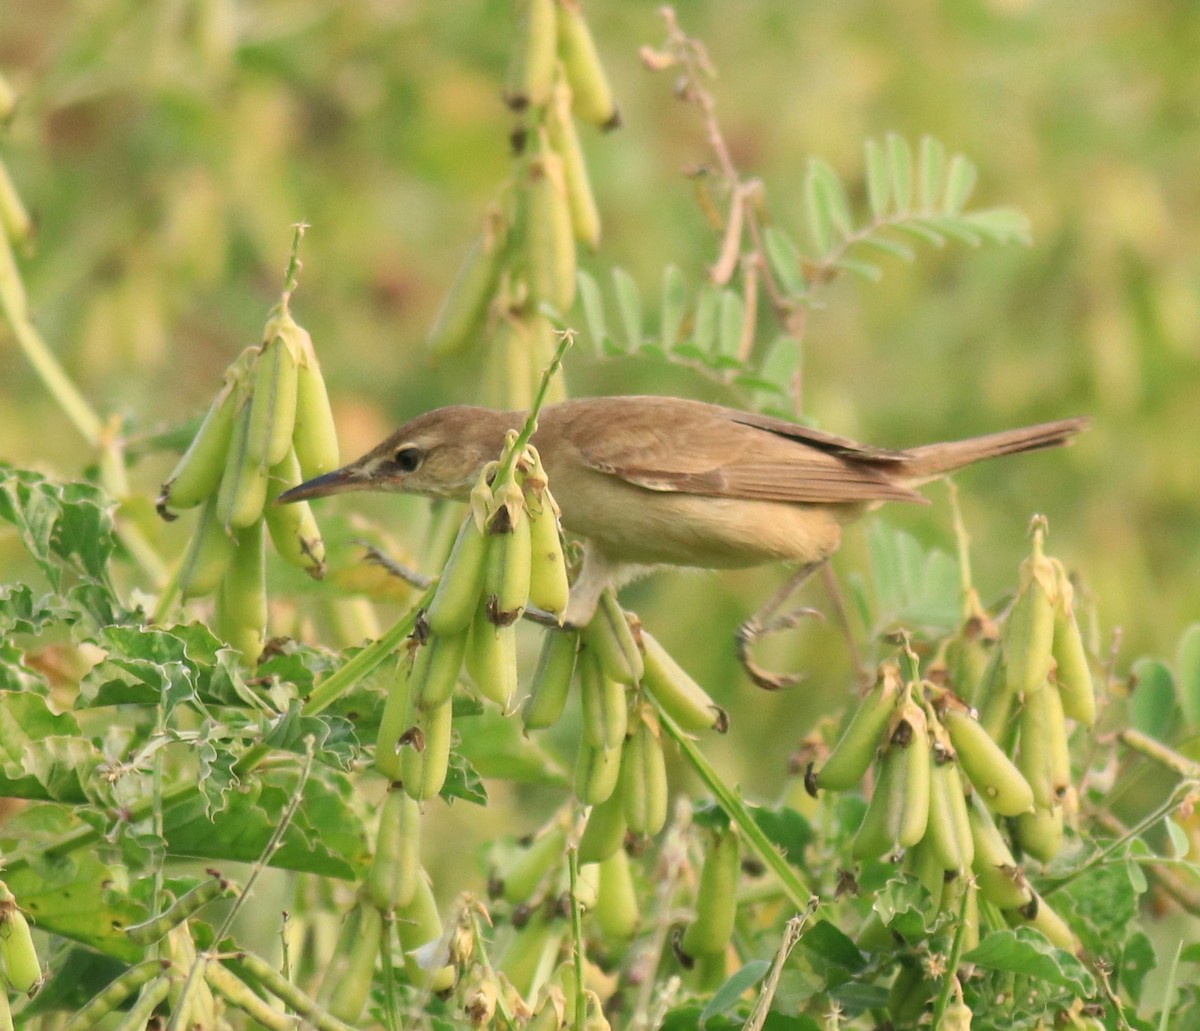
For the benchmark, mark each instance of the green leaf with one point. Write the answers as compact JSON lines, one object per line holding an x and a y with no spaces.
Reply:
{"x":593,"y":307}
{"x":59,"y":524}
{"x":888,"y":246}
{"x":900,"y":162}
{"x":920,"y":228}
{"x":956,"y":228}
{"x":42,"y":755}
{"x":931,"y":169}
{"x":674,"y":306}
{"x":497,"y":748}
{"x":879,"y":179}
{"x":782,"y":363}
{"x":708,"y":307}
{"x":828,"y":946}
{"x":1153,"y":705}
{"x":1025,"y":951}
{"x":862,"y":269}
{"x":1001,"y":225}
{"x":912,"y":586}
{"x":784,"y":258}
{"x":729,"y":335}
{"x":818,"y":210}
{"x":788,"y":830}
{"x":629,"y":306}
{"x":326,"y":836}
{"x":1187,"y":670}
{"x":960,"y":184}
{"x":836,"y":199}
{"x":728,"y":995}
{"x":21,"y":613}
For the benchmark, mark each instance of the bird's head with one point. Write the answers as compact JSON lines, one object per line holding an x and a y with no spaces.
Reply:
{"x":439,"y":454}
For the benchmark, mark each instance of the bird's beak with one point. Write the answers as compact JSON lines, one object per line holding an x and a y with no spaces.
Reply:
{"x":349,"y":477}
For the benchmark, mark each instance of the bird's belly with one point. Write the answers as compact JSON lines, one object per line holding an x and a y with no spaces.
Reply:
{"x":652,"y":528}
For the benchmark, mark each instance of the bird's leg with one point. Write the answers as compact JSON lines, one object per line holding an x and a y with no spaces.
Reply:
{"x":378,"y":557}
{"x":768,"y":620}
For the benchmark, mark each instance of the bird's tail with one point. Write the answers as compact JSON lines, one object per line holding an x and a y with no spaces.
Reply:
{"x":933,"y":460}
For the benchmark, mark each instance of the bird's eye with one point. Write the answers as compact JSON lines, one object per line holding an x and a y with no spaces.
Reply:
{"x":408,"y":458}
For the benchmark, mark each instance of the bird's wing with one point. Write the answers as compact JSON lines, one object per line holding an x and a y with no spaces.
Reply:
{"x":690,"y":448}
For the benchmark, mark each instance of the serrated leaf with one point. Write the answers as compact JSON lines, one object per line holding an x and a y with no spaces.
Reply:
{"x":1025,"y":951}
{"x":899,"y":155}
{"x":729,"y":333}
{"x":784,"y":258}
{"x":629,"y":307}
{"x":888,"y":246}
{"x":42,"y":755}
{"x":674,"y":306}
{"x":862,"y":269}
{"x":931,"y":168}
{"x":59,"y":524}
{"x":817,"y":210}
{"x":1001,"y":225}
{"x":727,"y":996}
{"x":593,"y":307}
{"x":960,"y":184}
{"x":1152,"y":707}
{"x":1187,"y":670}
{"x":22,"y":613}
{"x":879,"y":179}
{"x":708,"y":308}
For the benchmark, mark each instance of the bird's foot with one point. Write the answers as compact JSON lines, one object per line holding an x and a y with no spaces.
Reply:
{"x":378,"y":557}
{"x":752,"y":630}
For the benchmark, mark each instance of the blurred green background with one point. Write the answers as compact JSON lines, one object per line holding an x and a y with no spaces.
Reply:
{"x":167,"y":148}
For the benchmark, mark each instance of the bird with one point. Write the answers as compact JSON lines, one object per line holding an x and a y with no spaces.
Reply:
{"x":650,"y":481}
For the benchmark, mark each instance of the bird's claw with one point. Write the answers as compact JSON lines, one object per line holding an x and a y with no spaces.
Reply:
{"x":752,"y":630}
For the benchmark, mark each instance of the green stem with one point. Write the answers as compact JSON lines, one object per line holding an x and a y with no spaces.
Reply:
{"x":793,"y":886}
{"x":577,"y":939}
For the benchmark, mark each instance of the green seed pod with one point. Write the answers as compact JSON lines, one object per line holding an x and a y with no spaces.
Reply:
{"x":1040,"y":915}
{"x":181,"y":909}
{"x":417,"y":925}
{"x":617,"y":910}
{"x":597,"y":771}
{"x":393,"y":722}
{"x":909,"y":995}
{"x":198,"y":473}
{"x":549,"y":234}
{"x":392,"y":879}
{"x":241,"y":616}
{"x":1001,"y":881}
{"x":676,"y":693}
{"x":716,"y":898}
{"x":114,"y":993}
{"x":435,"y":669}
{"x":531,"y":71}
{"x":592,"y":94}
{"x":880,"y":824}
{"x":220,"y":979}
{"x":314,"y":435}
{"x":425,"y":759}
{"x":15,"y":222}
{"x":609,"y":636}
{"x":349,"y":979}
{"x":917,"y":762}
{"x":605,"y":830}
{"x":506,"y":576}
{"x":243,"y":490}
{"x":207,"y":557}
{"x":924,"y":864}
{"x":942,"y":832}
{"x":293,"y":528}
{"x":861,"y":739}
{"x":527,"y":871}
{"x":492,"y":659}
{"x":460,"y":588}
{"x":532,"y":951}
{"x":1040,"y":833}
{"x":1029,"y":633}
{"x":605,"y":708}
{"x":1042,"y":754}
{"x":971,"y":916}
{"x":273,"y":404}
{"x":18,"y":957}
{"x":464,"y":311}
{"x":551,"y":679}
{"x":1072,"y":675}
{"x":560,"y":124}
{"x":643,"y":782}
{"x":1000,"y":784}
{"x":995,"y":701}
{"x":549,"y":588}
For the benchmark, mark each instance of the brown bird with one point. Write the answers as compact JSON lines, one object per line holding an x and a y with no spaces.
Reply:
{"x":648,"y":481}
